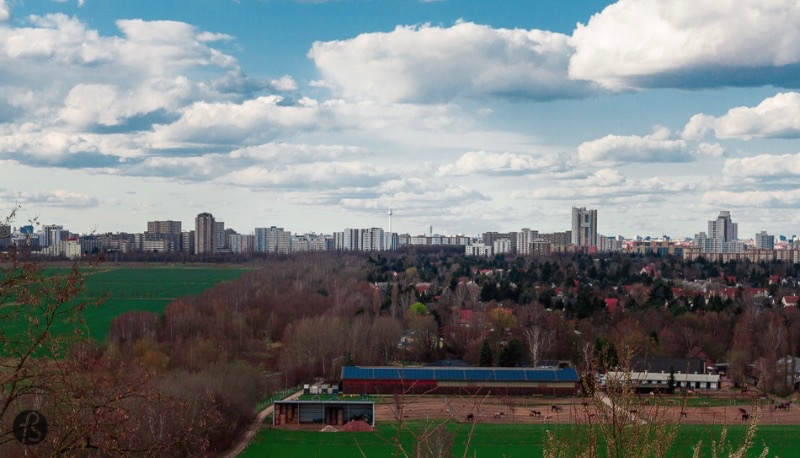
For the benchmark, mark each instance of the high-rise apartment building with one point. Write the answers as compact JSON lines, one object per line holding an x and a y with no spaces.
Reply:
{"x":272,"y":240}
{"x":372,"y":239}
{"x":220,"y":237}
{"x":348,"y":240}
{"x":204,"y":233}
{"x":167,"y":233}
{"x":164,"y":227}
{"x":187,"y":242}
{"x":525,"y":239}
{"x":52,"y":234}
{"x":584,"y":227}
{"x":764,"y":241}
{"x":390,"y":241}
{"x":261,"y":240}
{"x":502,"y":246}
{"x":241,"y":243}
{"x":283,"y":243}
{"x":489,"y":238}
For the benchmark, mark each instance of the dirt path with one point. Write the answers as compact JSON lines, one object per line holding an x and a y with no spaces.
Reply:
{"x":253,"y":429}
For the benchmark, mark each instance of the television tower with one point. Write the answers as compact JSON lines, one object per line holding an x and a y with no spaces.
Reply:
{"x":390,"y":220}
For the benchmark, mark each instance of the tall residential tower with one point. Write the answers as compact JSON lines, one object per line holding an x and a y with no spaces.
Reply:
{"x":204,"y":233}
{"x":584,"y":227}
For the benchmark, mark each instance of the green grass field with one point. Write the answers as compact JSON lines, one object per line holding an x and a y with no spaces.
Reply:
{"x":490,"y":440}
{"x":146,"y":288}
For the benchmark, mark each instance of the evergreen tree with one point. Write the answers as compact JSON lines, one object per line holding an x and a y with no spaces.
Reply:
{"x":671,"y":380}
{"x":512,"y":354}
{"x":485,"y":359}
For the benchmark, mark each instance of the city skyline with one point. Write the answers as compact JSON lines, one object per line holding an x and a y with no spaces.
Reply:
{"x":465,"y":116}
{"x":722,"y":228}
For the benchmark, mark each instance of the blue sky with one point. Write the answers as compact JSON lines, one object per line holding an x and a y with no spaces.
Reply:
{"x":463,"y":115}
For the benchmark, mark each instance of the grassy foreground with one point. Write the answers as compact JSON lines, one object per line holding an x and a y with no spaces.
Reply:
{"x":142,"y":288}
{"x":490,"y":440}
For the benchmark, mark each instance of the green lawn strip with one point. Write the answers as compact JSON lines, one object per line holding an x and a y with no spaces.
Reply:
{"x":501,"y":441}
{"x":148,"y":289}
{"x":704,"y":401}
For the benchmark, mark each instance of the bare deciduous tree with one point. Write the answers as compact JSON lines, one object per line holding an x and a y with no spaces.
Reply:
{"x":384,"y":337}
{"x":539,"y":342}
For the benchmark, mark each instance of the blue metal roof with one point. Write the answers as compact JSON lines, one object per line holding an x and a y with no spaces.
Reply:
{"x":471,"y":374}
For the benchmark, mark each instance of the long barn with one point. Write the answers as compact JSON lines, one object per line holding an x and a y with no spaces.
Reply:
{"x":500,"y":381}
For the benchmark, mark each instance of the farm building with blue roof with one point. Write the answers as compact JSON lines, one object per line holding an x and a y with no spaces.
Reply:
{"x":501,"y":381}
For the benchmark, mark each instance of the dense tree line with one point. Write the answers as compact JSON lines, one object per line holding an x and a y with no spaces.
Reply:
{"x":304,"y":316}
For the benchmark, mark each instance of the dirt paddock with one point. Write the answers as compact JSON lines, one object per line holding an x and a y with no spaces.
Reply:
{"x":570,"y":410}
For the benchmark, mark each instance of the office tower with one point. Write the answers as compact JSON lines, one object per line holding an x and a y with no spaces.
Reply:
{"x":722,"y":236}
{"x":204,"y":233}
{"x":723,"y":228}
{"x":584,"y":227}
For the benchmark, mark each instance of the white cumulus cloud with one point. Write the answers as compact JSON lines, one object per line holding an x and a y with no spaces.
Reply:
{"x":5,"y":11}
{"x":686,"y":43}
{"x":56,"y":198}
{"x":323,"y":175}
{"x":764,"y":167}
{"x":487,"y":163}
{"x":429,"y":63}
{"x":607,"y":184}
{"x":780,"y":199}
{"x":417,"y":196}
{"x":220,"y":123}
{"x":656,"y":147}
{"x":774,"y":117}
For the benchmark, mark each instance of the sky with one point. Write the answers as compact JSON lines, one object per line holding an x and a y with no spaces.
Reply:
{"x":463,"y":116}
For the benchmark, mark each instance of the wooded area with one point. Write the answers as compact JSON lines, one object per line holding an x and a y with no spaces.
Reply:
{"x":186,"y":382}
